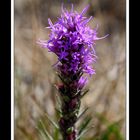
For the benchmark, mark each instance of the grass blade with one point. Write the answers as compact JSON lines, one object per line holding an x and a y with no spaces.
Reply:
{"x":84,"y":125}
{"x":82,"y":113}
{"x":84,"y":93}
{"x":43,"y":130}
{"x":52,"y":122}
{"x":83,"y":133}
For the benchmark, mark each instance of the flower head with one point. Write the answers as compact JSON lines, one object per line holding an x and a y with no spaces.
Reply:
{"x":73,"y":41}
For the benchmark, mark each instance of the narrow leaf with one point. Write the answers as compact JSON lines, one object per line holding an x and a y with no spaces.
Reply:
{"x":41,"y":133}
{"x":84,"y":93}
{"x":58,"y":100}
{"x":84,"y":124}
{"x":82,"y":113}
{"x":76,"y":94}
{"x":62,"y":79}
{"x":52,"y":122}
{"x":58,"y":111}
{"x":56,"y":134}
{"x":83,"y":133}
{"x":44,"y":131}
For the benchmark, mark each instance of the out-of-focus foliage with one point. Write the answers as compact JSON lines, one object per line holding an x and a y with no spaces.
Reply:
{"x":111,"y":130}
{"x":35,"y":93}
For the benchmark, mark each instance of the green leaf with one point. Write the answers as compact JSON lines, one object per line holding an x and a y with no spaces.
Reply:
{"x":43,"y":131}
{"x":59,"y":112}
{"x":82,"y":113}
{"x":41,"y":134}
{"x":70,"y":130}
{"x":84,"y":125}
{"x":112,"y":131}
{"x":56,"y":134}
{"x":58,"y":106}
{"x":62,"y":79}
{"x":84,"y":93}
{"x":58,"y":100}
{"x":77,"y":93}
{"x":66,"y":98}
{"x":83,"y":132}
{"x":52,"y":122}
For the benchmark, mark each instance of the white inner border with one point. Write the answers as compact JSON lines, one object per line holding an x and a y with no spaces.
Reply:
{"x":12,"y":69}
{"x":127,"y":69}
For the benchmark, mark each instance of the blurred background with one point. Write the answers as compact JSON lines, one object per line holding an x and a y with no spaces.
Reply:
{"x":34,"y":77}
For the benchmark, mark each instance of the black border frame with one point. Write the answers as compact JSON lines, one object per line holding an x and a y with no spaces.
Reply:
{"x":5,"y":63}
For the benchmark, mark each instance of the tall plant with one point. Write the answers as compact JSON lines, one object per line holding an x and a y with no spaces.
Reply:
{"x":73,"y":42}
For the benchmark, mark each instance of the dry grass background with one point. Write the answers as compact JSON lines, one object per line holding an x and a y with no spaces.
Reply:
{"x":34,"y":76}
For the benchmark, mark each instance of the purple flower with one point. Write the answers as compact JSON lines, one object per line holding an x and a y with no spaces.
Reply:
{"x":73,"y":41}
{"x":82,"y":82}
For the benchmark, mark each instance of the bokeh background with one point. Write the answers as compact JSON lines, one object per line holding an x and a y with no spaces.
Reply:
{"x":34,"y":77}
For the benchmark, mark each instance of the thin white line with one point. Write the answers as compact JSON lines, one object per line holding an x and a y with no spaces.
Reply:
{"x":12,"y":69}
{"x":127,"y":69}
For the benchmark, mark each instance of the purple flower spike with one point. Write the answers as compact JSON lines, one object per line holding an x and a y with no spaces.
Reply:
{"x":73,"y":41}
